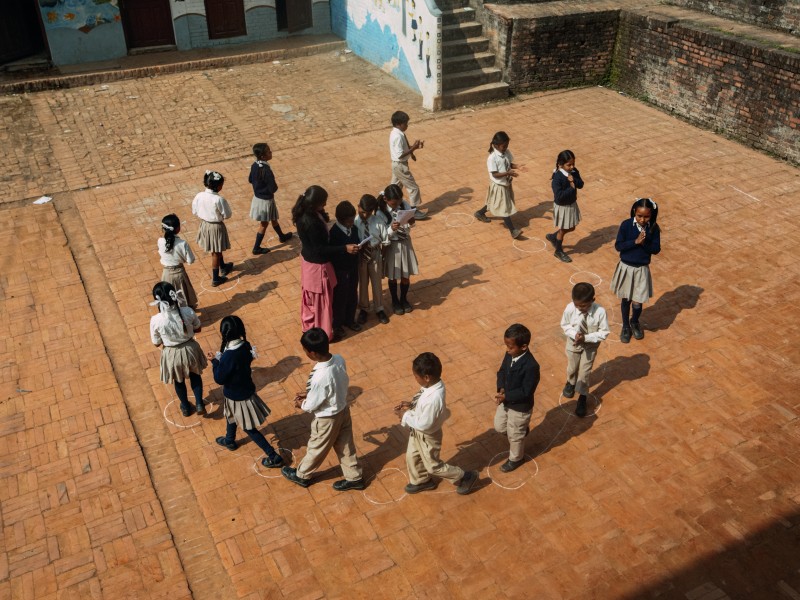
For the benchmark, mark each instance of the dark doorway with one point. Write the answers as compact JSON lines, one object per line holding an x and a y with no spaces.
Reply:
{"x":294,"y":15}
{"x":225,"y":18}
{"x":147,"y":23}
{"x":20,"y":31}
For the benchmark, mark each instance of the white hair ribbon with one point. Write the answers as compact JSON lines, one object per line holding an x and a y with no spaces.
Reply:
{"x":163,"y":305}
{"x":167,"y":227}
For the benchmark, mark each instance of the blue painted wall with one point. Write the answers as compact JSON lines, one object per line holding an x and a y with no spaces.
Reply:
{"x":82,"y":30}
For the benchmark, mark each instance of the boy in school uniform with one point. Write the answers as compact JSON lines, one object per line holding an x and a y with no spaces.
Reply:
{"x":586,"y":325}
{"x":345,"y":294}
{"x":400,"y":151}
{"x":517,"y":380}
{"x":326,"y":399}
{"x":425,"y":415}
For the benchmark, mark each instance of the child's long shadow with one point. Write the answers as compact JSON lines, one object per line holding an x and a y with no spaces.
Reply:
{"x":595,"y":240}
{"x":210,"y":314}
{"x":451,"y":198}
{"x":524,"y":217}
{"x":433,"y":292}
{"x":280,"y":371}
{"x":665,"y":310}
{"x":558,"y":426}
{"x":255,"y":265}
{"x":613,"y":372}
{"x":384,"y":445}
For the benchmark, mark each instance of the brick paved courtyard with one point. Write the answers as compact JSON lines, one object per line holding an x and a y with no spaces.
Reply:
{"x":683,"y":484}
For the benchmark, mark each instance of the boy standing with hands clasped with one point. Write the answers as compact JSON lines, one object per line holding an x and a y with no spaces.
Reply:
{"x":517,"y":380}
{"x":400,"y":151}
{"x":425,"y":415}
{"x":586,"y":325}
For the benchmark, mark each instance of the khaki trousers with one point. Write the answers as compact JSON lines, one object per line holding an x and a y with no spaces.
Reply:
{"x":514,"y":424}
{"x":401,"y":174}
{"x":331,"y":432}
{"x":370,"y":274}
{"x":422,"y":459}
{"x":579,"y":366}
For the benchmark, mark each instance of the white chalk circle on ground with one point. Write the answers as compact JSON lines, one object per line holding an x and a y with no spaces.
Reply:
{"x":375,"y":479}
{"x":216,"y":290}
{"x":520,"y":470}
{"x":586,"y":276}
{"x":178,"y":425}
{"x":462,"y":220}
{"x":593,"y":405}
{"x":282,"y":452}
{"x":529,"y":245}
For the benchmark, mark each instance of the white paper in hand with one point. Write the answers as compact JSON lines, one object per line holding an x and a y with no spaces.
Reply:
{"x":365,"y":241}
{"x":404,"y":216}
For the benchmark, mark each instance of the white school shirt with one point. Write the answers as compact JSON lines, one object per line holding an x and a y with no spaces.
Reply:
{"x":500,"y":163}
{"x":180,"y":253}
{"x":596,"y":321}
{"x":166,"y":327}
{"x":327,"y":393}
{"x":374,"y":226}
{"x":430,"y":412}
{"x":397,"y":145}
{"x":211,"y":207}
{"x":392,"y":235}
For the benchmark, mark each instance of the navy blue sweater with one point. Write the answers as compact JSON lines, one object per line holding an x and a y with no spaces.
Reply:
{"x":519,"y":381}
{"x":344,"y":262}
{"x":233,"y":373}
{"x":630,"y":252}
{"x":316,"y":246}
{"x":264,"y":186}
{"x":563,"y":193}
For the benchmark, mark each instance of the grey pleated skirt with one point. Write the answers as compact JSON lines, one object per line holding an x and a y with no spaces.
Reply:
{"x":213,"y":237}
{"x":400,"y":260}
{"x":263,"y":210}
{"x":566,"y":217}
{"x":178,"y":361}
{"x":247,"y":414}
{"x":179,"y":279}
{"x":632,"y":283}
{"x":500,"y":200}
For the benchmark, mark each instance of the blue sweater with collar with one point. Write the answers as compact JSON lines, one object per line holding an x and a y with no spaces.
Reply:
{"x":263,"y":180}
{"x":563,"y":193}
{"x":232,"y":372}
{"x":630,"y":252}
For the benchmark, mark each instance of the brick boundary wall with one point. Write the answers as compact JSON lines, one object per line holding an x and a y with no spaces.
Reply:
{"x":783,"y":15}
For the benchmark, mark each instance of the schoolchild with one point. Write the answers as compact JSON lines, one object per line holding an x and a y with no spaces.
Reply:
{"x":326,"y":398}
{"x":517,"y":380}
{"x":213,"y":209}
{"x":345,"y":266}
{"x":400,"y":151}
{"x":565,"y":181}
{"x":370,"y":266}
{"x":243,"y":407}
{"x":424,"y":415}
{"x":400,"y":260}
{"x":181,"y":356}
{"x":585,"y":324}
{"x":638,"y":239}
{"x":174,"y":252}
{"x":263,"y":208}
{"x":502,"y":170}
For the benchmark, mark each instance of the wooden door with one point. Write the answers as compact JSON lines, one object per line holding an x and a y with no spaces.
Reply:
{"x":298,"y":15}
{"x":147,"y":23}
{"x":225,"y":18}
{"x":20,"y":33}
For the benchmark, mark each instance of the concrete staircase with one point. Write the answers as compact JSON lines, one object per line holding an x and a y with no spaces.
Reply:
{"x":469,"y":75}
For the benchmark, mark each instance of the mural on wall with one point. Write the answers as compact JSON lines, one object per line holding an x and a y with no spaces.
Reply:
{"x":82,"y":15}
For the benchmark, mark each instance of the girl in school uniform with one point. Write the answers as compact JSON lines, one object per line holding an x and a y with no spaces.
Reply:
{"x":173,"y":328}
{"x":566,"y":181}
{"x":263,"y":208}
{"x":638,"y":239}
{"x":400,"y":260}
{"x":174,"y":252}
{"x":213,"y":209}
{"x":243,"y":407}
{"x":500,"y":198}
{"x":370,"y":265}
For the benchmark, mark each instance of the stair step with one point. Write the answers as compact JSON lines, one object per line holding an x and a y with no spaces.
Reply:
{"x":475,"y":95}
{"x":467,"y":46}
{"x":461,"y":31}
{"x":468,"y":62}
{"x":458,"y":15}
{"x":475,"y":77}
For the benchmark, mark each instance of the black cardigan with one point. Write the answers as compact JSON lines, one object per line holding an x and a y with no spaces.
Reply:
{"x":519,"y":382}
{"x":344,"y":262}
{"x":313,"y":234}
{"x":563,"y":193}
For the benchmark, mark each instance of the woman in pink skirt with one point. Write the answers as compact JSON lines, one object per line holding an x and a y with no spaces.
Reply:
{"x":317,"y":278}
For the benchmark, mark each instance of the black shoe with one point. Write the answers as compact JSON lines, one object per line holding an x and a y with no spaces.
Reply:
{"x":362,"y":317}
{"x":285,"y":238}
{"x":201,"y":409}
{"x":562,"y":256}
{"x":511,"y":465}
{"x":382,"y":317}
{"x":637,"y":330}
{"x":515,"y":233}
{"x":469,"y":479}
{"x":344,"y":485}
{"x":625,"y":335}
{"x":407,"y":306}
{"x":482,"y":217}
{"x":272,"y":462}
{"x":217,"y":282}
{"x":354,"y":326}
{"x":551,"y":237}
{"x":421,"y":487}
{"x":223,"y":441}
{"x":580,"y":410}
{"x":398,"y":308}
{"x":225,"y":269}
{"x":260,"y":250}
{"x":338,"y":335}
{"x":187,"y":410}
{"x":568,"y":391}
{"x":291,"y":474}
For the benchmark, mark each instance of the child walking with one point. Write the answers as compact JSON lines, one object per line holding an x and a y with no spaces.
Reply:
{"x":213,"y":209}
{"x":425,"y":415}
{"x":243,"y":407}
{"x":174,"y":252}
{"x":400,"y":151}
{"x":370,"y":265}
{"x":586,"y":325}
{"x":502,"y":170}
{"x":517,"y":380}
{"x":345,"y":266}
{"x":181,"y":356}
{"x":638,"y":239}
{"x":566,"y":181}
{"x":326,"y":398}
{"x":400,"y":261}
{"x":263,"y":207}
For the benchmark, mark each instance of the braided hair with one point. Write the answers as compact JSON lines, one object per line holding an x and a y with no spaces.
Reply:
{"x":171,"y":224}
{"x":232,"y":328}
